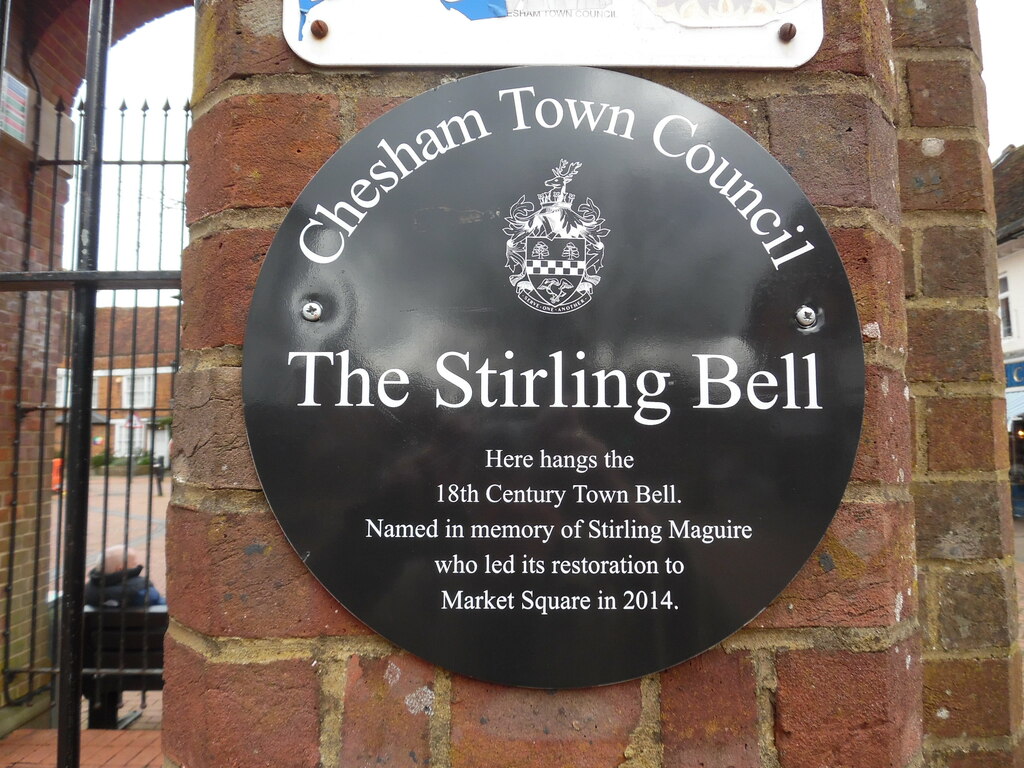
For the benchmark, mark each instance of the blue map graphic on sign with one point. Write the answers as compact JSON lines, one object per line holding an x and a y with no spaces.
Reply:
{"x":305,"y":6}
{"x":474,"y":10}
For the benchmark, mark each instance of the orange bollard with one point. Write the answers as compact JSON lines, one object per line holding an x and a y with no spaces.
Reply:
{"x":57,"y":475}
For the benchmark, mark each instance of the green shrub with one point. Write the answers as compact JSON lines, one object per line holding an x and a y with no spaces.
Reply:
{"x":100,"y":460}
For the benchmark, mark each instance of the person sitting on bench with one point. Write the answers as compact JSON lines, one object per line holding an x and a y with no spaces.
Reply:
{"x":117,"y":581}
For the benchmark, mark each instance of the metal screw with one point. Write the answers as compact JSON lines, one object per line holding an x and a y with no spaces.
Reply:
{"x":806,"y":317}
{"x":319,"y":29}
{"x":786,"y":32}
{"x":312,"y":311}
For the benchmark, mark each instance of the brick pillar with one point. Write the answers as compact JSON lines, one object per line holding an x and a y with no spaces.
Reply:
{"x":972,"y":673}
{"x":264,"y":669}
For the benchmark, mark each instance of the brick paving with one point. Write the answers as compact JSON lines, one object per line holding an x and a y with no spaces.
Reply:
{"x":100,"y":749}
{"x":114,"y":507}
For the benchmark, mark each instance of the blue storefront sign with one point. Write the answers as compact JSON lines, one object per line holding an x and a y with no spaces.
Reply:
{"x":1015,"y":374}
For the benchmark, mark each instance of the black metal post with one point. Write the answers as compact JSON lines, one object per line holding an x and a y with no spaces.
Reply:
{"x":79,"y":418}
{"x":5,"y":31}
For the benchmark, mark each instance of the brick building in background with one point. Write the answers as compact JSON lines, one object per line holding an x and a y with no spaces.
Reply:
{"x":1008,"y":175}
{"x":133,"y":371}
{"x":895,"y":646}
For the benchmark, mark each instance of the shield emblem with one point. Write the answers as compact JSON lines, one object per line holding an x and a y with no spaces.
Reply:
{"x":555,"y":267}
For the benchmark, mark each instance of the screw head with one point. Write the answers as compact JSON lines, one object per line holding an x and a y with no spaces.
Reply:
{"x":806,"y":317}
{"x":319,"y":29}
{"x":787,"y":32}
{"x":312,"y":311}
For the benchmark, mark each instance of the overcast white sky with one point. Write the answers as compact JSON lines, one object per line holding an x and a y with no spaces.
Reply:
{"x":155,"y":63}
{"x":1002,"y":23}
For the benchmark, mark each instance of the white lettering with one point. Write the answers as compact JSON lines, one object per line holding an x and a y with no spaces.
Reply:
{"x":726,"y":381}
{"x":310,"y":360}
{"x":518,"y":99}
{"x":663,"y":124}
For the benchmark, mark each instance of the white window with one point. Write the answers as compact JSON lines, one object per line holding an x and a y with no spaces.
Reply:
{"x":62,"y":397}
{"x":137,"y":390}
{"x":1004,"y":307}
{"x":130,"y":437}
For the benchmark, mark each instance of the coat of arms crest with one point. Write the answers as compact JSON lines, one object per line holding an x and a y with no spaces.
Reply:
{"x":554,"y":251}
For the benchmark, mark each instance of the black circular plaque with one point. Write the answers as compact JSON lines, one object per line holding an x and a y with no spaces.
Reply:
{"x":553,"y":377}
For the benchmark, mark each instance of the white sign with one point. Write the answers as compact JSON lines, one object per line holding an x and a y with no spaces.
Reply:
{"x":14,"y":99}
{"x":778,"y":34}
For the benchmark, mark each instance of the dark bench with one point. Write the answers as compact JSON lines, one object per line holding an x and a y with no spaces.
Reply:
{"x":124,"y":651}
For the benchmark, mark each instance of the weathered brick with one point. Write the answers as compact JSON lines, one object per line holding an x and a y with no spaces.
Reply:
{"x":238,"y":40}
{"x":861,"y":574}
{"x":966,"y":434}
{"x":297,"y":134}
{"x":945,"y":93}
{"x":976,"y":610}
{"x":748,"y":115}
{"x":952,"y":345}
{"x":210,"y":446}
{"x":971,"y":697}
{"x":499,"y":727}
{"x":957,"y":262}
{"x":218,"y":274}
{"x":907,"y":237}
{"x":370,"y":107}
{"x":857,"y":41}
{"x":240,"y":715}
{"x":875,"y":270}
{"x":388,"y":704}
{"x":978,"y":758}
{"x":936,"y":23}
{"x":709,"y":712}
{"x":883,"y":455}
{"x":839,"y":148}
{"x":236,"y":575}
{"x":944,"y":175}
{"x":963,"y":521}
{"x":847,"y":710}
{"x":928,"y":589}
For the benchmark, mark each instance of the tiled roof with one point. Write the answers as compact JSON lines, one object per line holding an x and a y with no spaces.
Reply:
{"x":1008,"y":174}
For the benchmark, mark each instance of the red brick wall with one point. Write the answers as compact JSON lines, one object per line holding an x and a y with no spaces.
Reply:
{"x":972,"y":707}
{"x":25,"y":377}
{"x":264,"y":669}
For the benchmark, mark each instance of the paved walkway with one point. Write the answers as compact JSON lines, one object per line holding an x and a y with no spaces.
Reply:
{"x":100,"y":749}
{"x":117,"y":513}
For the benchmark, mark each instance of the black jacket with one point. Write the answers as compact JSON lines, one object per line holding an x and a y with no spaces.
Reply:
{"x":120,"y":588}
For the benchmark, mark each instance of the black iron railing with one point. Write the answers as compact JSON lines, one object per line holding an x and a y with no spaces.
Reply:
{"x":96,"y":338}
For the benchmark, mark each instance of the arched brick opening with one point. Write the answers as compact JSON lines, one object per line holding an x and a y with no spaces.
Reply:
{"x":47,"y":42}
{"x":57,"y":36}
